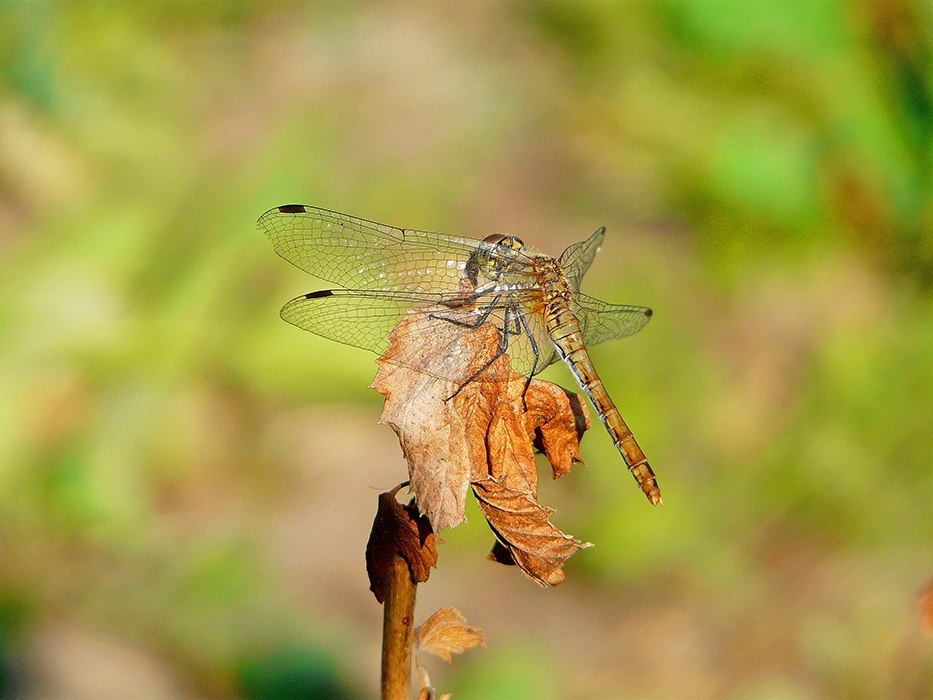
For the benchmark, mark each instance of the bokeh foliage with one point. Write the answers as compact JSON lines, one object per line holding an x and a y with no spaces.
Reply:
{"x":172,"y":457}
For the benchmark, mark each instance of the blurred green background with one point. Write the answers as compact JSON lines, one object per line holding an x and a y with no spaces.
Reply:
{"x":187,"y":482}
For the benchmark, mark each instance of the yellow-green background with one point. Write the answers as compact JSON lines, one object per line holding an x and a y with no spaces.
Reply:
{"x":187,"y":482}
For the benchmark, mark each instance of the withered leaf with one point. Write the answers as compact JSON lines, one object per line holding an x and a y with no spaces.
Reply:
{"x":446,"y":633}
{"x":523,"y":528}
{"x":443,"y":634}
{"x":559,"y":418}
{"x":483,"y":432}
{"x":433,"y":431}
{"x":398,"y":530}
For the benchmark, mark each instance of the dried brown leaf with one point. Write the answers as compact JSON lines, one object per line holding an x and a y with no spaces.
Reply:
{"x":444,"y":634}
{"x":523,"y":528}
{"x":431,"y":429}
{"x":559,"y":418}
{"x":398,"y":530}
{"x":485,"y":435}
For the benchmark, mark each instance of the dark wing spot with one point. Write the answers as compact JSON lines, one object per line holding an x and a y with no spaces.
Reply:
{"x":319,"y":294}
{"x":292,"y":209}
{"x":648,"y":312}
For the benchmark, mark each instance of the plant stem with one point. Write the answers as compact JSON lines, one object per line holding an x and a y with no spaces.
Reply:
{"x":397,"y":632}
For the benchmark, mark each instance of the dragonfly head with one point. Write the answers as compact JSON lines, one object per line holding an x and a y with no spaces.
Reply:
{"x":491,"y":257}
{"x":500,"y":241}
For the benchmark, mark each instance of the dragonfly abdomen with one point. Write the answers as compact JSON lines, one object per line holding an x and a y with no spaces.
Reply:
{"x":565,"y":331}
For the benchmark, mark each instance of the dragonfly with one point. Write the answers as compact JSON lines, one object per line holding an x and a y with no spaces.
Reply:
{"x":385,"y":273}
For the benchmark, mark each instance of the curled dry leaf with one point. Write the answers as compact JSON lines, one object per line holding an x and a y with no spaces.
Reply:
{"x":398,"y":530}
{"x":444,"y":634}
{"x":456,"y":432}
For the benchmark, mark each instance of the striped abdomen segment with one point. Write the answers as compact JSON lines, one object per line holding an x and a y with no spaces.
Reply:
{"x":564,"y":329}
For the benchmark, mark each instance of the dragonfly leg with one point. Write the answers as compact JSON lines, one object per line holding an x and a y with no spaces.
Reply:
{"x":522,"y":327}
{"x":500,"y":351}
{"x":474,"y":322}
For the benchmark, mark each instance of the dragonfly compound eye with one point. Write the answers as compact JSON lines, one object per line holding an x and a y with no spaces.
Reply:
{"x":500,"y":240}
{"x":513,"y":242}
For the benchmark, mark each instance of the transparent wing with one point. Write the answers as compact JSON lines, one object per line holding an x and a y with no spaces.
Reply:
{"x":601,"y":321}
{"x":366,"y":318}
{"x":362,"y":254}
{"x":362,"y":319}
{"x":576,"y":260}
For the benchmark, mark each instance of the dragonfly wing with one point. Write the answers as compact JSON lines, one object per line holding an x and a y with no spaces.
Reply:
{"x":601,"y":321}
{"x":366,"y":318}
{"x":576,"y":260}
{"x":363,"y":319}
{"x":362,"y":254}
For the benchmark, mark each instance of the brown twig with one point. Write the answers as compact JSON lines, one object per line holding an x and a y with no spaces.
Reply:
{"x":397,"y":632}
{"x":400,"y":553}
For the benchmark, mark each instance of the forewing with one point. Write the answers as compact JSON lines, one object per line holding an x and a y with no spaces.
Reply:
{"x":576,"y":260}
{"x":601,"y":321}
{"x":362,"y":254}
